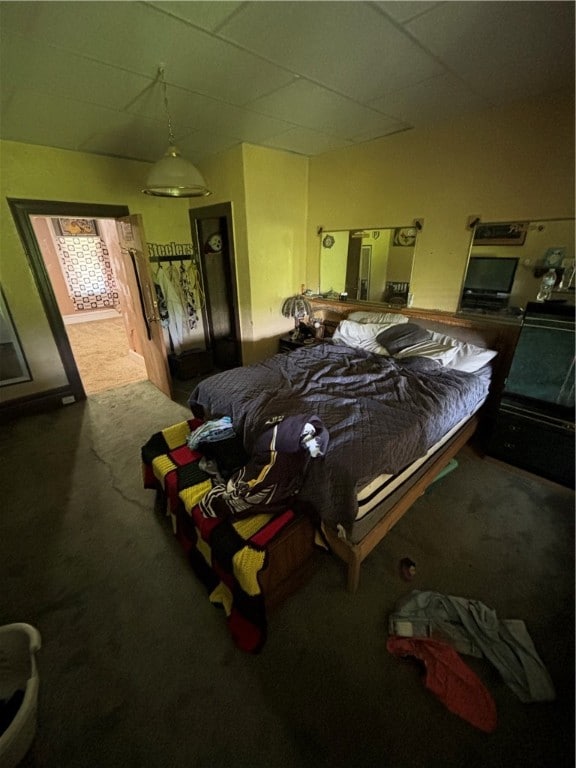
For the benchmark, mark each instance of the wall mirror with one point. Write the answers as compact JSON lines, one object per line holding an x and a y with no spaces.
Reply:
{"x":13,"y":366}
{"x":368,"y":264}
{"x":507,"y":260}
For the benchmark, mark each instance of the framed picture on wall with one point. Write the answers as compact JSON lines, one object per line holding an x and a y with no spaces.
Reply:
{"x":509,"y":233}
{"x":76,"y":227}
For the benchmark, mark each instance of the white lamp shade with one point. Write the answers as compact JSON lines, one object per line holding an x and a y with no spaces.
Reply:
{"x":173,"y":176}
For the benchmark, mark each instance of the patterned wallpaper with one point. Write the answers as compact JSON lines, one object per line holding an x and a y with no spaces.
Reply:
{"x":88,"y":272}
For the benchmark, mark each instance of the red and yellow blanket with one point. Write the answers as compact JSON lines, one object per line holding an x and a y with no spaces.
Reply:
{"x":226,"y":554}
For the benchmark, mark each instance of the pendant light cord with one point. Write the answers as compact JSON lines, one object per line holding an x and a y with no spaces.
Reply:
{"x":171,"y":141}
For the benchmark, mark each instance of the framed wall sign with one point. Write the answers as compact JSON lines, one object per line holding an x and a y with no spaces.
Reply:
{"x":509,"y":233}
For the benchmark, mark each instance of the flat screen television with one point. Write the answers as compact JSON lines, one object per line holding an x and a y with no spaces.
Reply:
{"x":490,"y":274}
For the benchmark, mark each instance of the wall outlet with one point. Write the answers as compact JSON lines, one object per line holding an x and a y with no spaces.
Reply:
{"x":68,"y":400}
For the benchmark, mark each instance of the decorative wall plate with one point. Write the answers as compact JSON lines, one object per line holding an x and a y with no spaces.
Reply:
{"x":405,"y":236}
{"x":328,"y":241}
{"x":214,"y":243}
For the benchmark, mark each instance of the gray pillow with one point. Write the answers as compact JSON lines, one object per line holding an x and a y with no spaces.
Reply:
{"x":398,"y":337}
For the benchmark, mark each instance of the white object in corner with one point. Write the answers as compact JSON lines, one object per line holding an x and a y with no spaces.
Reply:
{"x":18,"y":646}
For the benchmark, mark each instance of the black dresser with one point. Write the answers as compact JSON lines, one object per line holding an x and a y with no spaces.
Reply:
{"x":534,"y":426}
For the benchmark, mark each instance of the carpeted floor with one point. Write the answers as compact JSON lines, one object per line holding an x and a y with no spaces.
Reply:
{"x":137,"y":669}
{"x":102,"y":355}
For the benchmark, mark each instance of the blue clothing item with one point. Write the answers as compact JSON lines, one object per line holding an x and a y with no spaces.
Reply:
{"x":211,"y":431}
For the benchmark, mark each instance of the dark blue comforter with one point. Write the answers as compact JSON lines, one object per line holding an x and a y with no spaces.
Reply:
{"x":381,"y":413}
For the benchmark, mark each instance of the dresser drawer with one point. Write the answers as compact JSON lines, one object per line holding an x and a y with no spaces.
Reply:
{"x":534,"y":445}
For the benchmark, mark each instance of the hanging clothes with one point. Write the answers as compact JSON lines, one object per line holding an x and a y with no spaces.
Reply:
{"x":188,"y":297}
{"x":173,"y":305}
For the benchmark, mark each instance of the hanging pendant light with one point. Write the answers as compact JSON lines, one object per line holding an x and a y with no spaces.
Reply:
{"x":173,"y":175}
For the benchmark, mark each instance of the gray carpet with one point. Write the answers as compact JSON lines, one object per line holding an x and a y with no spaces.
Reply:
{"x":137,"y":668}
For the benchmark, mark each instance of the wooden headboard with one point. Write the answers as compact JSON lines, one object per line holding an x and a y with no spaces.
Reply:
{"x":485,"y":331}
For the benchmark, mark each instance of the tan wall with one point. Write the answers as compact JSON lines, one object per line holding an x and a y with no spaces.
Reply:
{"x":503,"y":164}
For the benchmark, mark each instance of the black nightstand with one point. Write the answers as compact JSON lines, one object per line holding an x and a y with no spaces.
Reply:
{"x":286,"y":344}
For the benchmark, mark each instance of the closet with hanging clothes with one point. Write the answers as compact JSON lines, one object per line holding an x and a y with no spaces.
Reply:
{"x":181,"y":304}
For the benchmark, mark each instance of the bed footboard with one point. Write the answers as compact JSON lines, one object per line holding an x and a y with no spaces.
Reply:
{"x":354,"y":554}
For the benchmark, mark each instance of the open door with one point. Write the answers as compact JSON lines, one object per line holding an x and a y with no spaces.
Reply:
{"x":134,"y":278}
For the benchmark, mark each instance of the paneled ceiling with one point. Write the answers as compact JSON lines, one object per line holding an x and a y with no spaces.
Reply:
{"x":306,"y":77}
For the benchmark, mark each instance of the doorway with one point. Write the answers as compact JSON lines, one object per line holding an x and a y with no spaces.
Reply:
{"x":128,"y":263}
{"x":77,"y":258}
{"x":213,"y":233}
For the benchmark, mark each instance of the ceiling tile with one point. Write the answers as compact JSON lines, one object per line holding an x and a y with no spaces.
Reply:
{"x":68,"y":126}
{"x":207,"y":15}
{"x":242,"y":123}
{"x":187,"y":110}
{"x":305,"y":142}
{"x":302,"y":76}
{"x":310,"y":106}
{"x":367,"y":134}
{"x":32,"y":64}
{"x":438,"y":98}
{"x":404,"y":10}
{"x":191,"y":111}
{"x":138,"y":38}
{"x":503,"y":48}
{"x":349,"y":46}
{"x":129,"y":137}
{"x":201,"y":144}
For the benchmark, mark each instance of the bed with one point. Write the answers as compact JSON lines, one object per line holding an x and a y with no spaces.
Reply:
{"x":394,"y":421}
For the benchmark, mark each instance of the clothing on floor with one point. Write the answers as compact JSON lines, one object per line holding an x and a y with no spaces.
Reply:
{"x":475,"y":628}
{"x":452,"y":681}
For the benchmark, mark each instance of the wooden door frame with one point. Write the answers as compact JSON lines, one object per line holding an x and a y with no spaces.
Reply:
{"x":219,"y":211}
{"x":22,"y":210}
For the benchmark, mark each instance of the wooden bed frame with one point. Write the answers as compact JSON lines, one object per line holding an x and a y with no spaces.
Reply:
{"x":491,"y":332}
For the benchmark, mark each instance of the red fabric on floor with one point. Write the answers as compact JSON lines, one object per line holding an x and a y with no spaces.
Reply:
{"x":450,"y":679}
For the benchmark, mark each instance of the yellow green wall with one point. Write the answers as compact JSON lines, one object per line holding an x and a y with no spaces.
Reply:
{"x":509,"y":163}
{"x":333,"y":262}
{"x":268,"y":191}
{"x":276,"y":203}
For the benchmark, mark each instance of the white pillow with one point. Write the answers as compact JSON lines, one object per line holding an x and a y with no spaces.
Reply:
{"x":389,"y":318}
{"x":451,"y":353}
{"x":360,"y":336}
{"x":468,"y":357}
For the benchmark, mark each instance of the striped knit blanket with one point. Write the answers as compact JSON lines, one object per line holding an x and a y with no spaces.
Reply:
{"x":226,"y":554}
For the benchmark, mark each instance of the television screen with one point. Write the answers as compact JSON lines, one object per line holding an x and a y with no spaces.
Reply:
{"x":490,"y":274}
{"x":543,"y":364}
